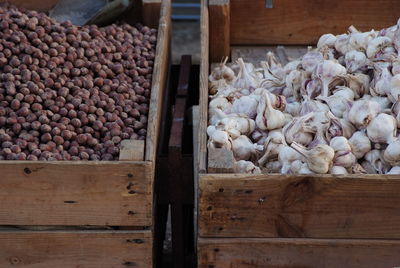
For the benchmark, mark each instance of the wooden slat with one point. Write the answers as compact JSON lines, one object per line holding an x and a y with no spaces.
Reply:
{"x":203,"y":104}
{"x":303,"y":21}
{"x":40,"y":5}
{"x":300,"y":206}
{"x":160,"y":74}
{"x":76,"y":193}
{"x":219,"y":23}
{"x":89,"y":249}
{"x":151,"y":12}
{"x":297,"y":253}
{"x":131,"y":150}
{"x":220,"y":160}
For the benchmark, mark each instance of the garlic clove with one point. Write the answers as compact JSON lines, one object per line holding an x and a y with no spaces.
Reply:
{"x":360,"y":144}
{"x":319,"y":159}
{"x":382,"y":129}
{"x":248,"y":167}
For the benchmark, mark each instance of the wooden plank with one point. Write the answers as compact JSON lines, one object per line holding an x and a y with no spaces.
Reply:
{"x":76,"y":193}
{"x":151,"y":12}
{"x":203,"y":90}
{"x":131,"y":150}
{"x":40,"y":5}
{"x":160,"y":74}
{"x":256,"y":54}
{"x":303,"y":21}
{"x":89,"y":249}
{"x":219,"y":23}
{"x":365,"y":206}
{"x":297,"y":253}
{"x":220,"y":161}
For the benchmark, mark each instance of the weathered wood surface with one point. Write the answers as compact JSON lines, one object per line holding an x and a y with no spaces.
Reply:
{"x":299,"y":206}
{"x":219,"y":24}
{"x":159,"y":82}
{"x":40,"y":5}
{"x":76,"y":193}
{"x":203,"y":90}
{"x":220,"y":160}
{"x":83,"y":249}
{"x":131,"y":150}
{"x":297,"y":253}
{"x":301,"y":22}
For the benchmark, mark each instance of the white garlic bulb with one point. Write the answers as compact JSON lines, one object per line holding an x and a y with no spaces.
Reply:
{"x":382,"y":129}
{"x":360,"y":144}
{"x":248,"y":167}
{"x":319,"y":159}
{"x":287,"y":156}
{"x":338,"y":170}
{"x":244,"y":149}
{"x":267,"y":117}
{"x":245,"y":79}
{"x":327,"y":40}
{"x":327,"y":71}
{"x":355,"y":60}
{"x":392,"y":153}
{"x":222,"y":72}
{"x":363,"y":112}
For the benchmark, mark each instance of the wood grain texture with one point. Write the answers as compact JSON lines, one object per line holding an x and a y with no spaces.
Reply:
{"x":85,"y":249}
{"x":40,"y":5}
{"x":203,"y":102}
{"x":76,"y":193}
{"x":160,"y":74}
{"x":297,"y":253}
{"x":131,"y":150}
{"x":303,"y":21}
{"x":299,"y":206}
{"x":151,"y":12}
{"x":219,"y":23}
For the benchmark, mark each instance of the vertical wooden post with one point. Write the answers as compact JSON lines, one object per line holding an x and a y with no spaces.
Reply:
{"x":219,"y":23}
{"x":151,"y":12}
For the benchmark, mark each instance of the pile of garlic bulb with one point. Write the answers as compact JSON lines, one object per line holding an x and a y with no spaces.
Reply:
{"x":334,"y":110}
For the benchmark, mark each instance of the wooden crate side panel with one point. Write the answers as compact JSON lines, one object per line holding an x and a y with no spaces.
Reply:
{"x":76,"y":193}
{"x":297,"y":253}
{"x":303,"y":21}
{"x":76,"y":249}
{"x":219,"y":29}
{"x":160,"y":75}
{"x":299,"y":206}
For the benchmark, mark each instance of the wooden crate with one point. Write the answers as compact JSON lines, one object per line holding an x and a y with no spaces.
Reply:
{"x":75,"y":195}
{"x":281,"y":220}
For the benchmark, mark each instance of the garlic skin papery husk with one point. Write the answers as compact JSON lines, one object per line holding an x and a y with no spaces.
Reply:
{"x":377,"y":44}
{"x":392,"y":153}
{"x":299,"y":167}
{"x":310,"y":60}
{"x":220,"y":103}
{"x":236,"y":125}
{"x":394,"y":88}
{"x":319,"y":159}
{"x":267,"y":117}
{"x":327,"y":71}
{"x":381,"y":84}
{"x":273,"y":167}
{"x":359,"y":83}
{"x":247,"y":167}
{"x":293,"y":108}
{"x":360,"y":144}
{"x":218,"y":138}
{"x":343,"y":154}
{"x":245,"y":105}
{"x":363,"y":112}
{"x":222,"y":72}
{"x":294,"y":131}
{"x":382,"y":129}
{"x":338,"y":102}
{"x":394,"y":170}
{"x":374,"y":162}
{"x":326,"y":40}
{"x":244,"y":149}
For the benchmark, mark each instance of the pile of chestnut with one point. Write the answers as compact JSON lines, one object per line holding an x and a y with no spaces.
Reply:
{"x":70,"y":92}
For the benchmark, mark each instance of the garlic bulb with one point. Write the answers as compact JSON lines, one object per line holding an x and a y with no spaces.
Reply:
{"x":267,"y":117}
{"x":359,"y":83}
{"x":294,"y":131}
{"x":293,"y":108}
{"x":394,"y":170}
{"x":245,"y":79}
{"x":312,"y":106}
{"x":392,"y":153}
{"x":376,"y":45}
{"x":311,"y":60}
{"x":342,"y":44}
{"x":360,"y":144}
{"x":273,"y":144}
{"x":222,"y":72}
{"x":374,"y":160}
{"x":394,"y":88}
{"x":355,"y":60}
{"x":382,"y":129}
{"x":340,"y":144}
{"x":327,"y":40}
{"x":298,"y":167}
{"x":338,"y":102}
{"x":236,"y":125}
{"x":319,"y":159}
{"x":380,"y":85}
{"x":338,"y":170}
{"x":248,"y":167}
{"x":359,"y":41}
{"x":273,"y":167}
{"x":245,"y":105}
{"x":343,"y":155}
{"x":287,"y":156}
{"x":220,"y":103}
{"x":218,"y":138}
{"x":363,"y":112}
{"x":244,"y":149}
{"x":327,"y":71}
